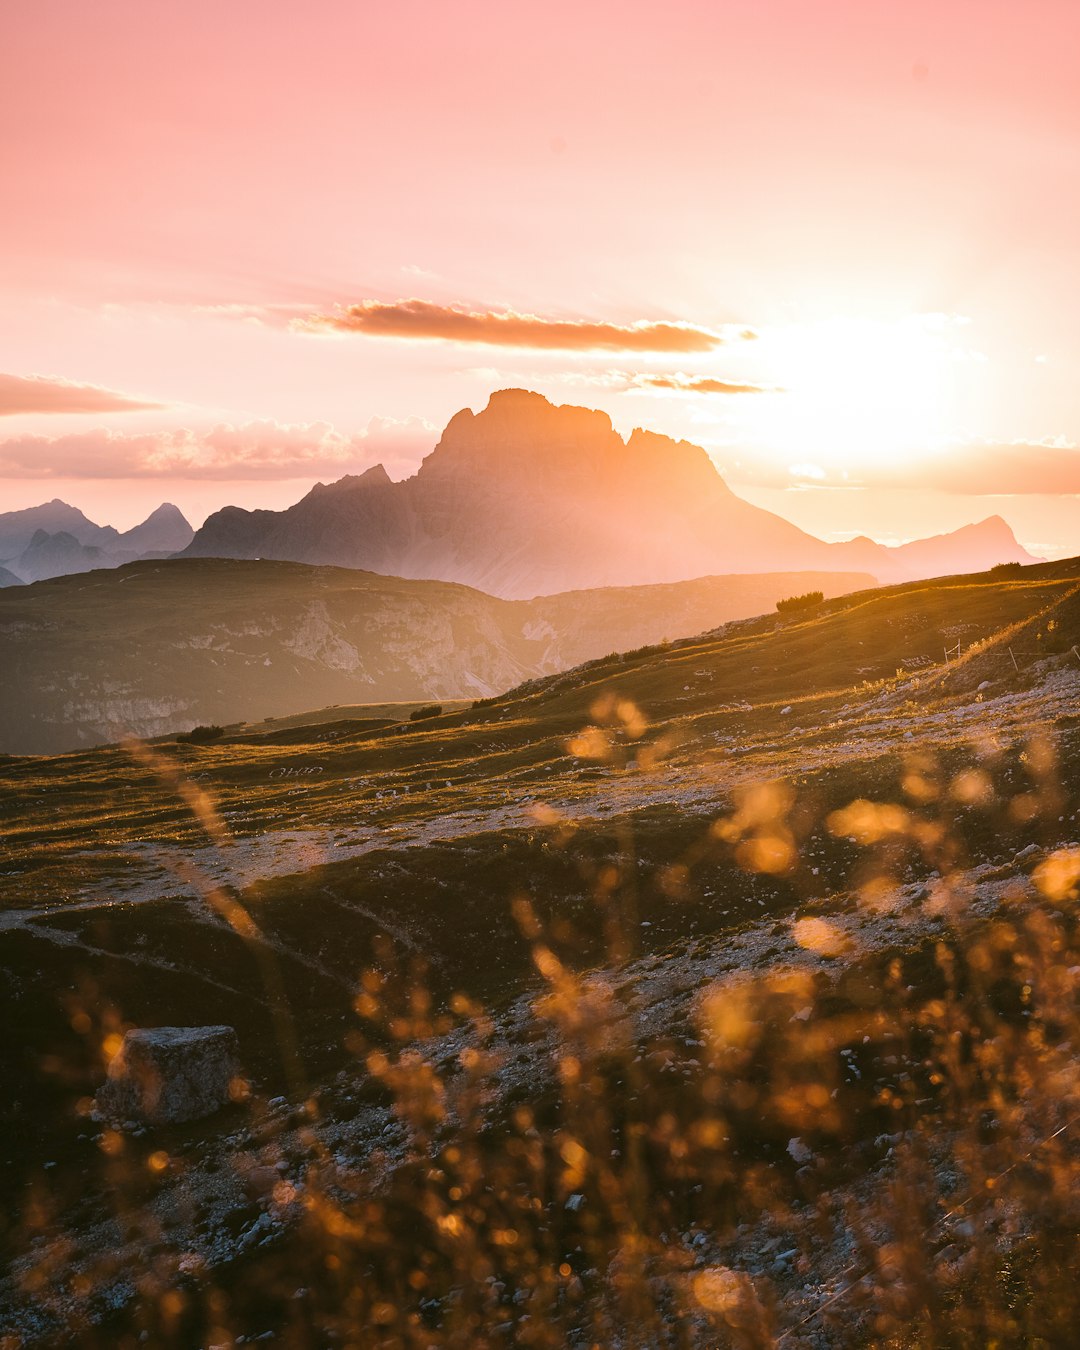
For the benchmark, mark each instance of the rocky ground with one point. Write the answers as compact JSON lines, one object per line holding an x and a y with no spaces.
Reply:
{"x":229,"y":1191}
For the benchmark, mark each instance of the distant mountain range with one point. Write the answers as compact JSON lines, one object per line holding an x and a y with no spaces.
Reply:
{"x":57,"y":540}
{"x":526,"y":498}
{"x":163,"y":646}
{"x":522,"y":499}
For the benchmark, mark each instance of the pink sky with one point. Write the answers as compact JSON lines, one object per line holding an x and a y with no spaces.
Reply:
{"x":219,"y":210}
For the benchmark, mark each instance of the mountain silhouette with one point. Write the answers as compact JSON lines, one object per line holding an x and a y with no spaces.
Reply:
{"x":56,"y":539}
{"x":526,"y":498}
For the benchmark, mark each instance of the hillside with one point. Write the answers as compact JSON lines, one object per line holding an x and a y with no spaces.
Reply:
{"x":807,"y":803}
{"x":166,"y":646}
{"x":526,"y":498}
{"x":818,"y":812}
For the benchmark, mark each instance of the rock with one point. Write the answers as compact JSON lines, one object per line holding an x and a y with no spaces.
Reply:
{"x":166,"y":1074}
{"x":799,"y":1151}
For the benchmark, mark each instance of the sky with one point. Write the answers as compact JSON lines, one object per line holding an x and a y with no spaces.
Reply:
{"x":246,"y":247}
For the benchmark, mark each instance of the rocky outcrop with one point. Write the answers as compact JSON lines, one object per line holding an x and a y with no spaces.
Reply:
{"x":170,"y":1074}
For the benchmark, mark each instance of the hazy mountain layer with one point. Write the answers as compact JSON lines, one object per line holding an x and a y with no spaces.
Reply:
{"x":55,"y":539}
{"x":157,"y":647}
{"x":526,"y":498}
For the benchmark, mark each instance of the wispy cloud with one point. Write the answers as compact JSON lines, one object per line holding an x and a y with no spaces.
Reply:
{"x":1049,"y":466}
{"x":693,"y":384}
{"x":622,"y":381}
{"x":255,"y":450}
{"x":975,"y":469}
{"x":49,"y":394}
{"x":420,"y":319}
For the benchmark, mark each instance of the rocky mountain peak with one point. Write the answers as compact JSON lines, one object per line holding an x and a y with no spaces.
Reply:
{"x":165,"y":530}
{"x":517,"y":427}
{"x":528,"y":497}
{"x":166,"y":511}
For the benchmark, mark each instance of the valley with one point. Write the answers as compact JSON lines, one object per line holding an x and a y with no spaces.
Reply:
{"x":154,"y":647}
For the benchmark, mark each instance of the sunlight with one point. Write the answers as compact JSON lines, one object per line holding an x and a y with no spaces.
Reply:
{"x":858,"y":391}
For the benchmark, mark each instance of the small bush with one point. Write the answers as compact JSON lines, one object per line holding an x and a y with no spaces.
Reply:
{"x":201,"y":735}
{"x":431,"y":710}
{"x":794,"y":603}
{"x":1009,"y":567}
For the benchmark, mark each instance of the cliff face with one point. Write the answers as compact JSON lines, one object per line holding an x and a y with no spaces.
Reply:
{"x":529,"y":499}
{"x":526,"y":498}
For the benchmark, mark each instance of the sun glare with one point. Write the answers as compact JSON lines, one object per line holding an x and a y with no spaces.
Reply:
{"x":859,"y":391}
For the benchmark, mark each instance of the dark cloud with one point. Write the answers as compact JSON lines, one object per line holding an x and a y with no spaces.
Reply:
{"x":253,"y":450}
{"x":48,"y":394}
{"x":421,"y":319}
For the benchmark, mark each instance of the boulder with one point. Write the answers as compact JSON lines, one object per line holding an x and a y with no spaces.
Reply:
{"x":168,"y":1074}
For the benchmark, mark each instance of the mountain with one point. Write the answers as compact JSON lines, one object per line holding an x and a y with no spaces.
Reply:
{"x":56,"y":539}
{"x":9,"y":578}
{"x":17,"y":528}
{"x":54,"y":555}
{"x":982,"y":546}
{"x":526,"y":498}
{"x":164,"y":646}
{"x":165,"y":530}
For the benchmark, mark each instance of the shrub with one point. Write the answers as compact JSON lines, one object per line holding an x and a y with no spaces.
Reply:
{"x":430,"y":710}
{"x":794,"y":603}
{"x":201,"y":735}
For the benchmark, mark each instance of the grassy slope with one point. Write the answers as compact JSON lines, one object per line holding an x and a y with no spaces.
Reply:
{"x":425,"y":831}
{"x":154,"y":647}
{"x":338,"y":833}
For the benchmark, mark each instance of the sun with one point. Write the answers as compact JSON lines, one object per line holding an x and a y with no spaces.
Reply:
{"x":857,"y":392}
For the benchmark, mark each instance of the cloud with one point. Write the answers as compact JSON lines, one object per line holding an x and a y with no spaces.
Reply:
{"x":255,"y":450}
{"x":621,"y":381}
{"x":1019,"y":467}
{"x":419,"y":319}
{"x":974,"y":469}
{"x":49,"y":394}
{"x":691,"y":384}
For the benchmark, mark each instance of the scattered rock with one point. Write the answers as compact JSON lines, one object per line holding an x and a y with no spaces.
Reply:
{"x":799,"y":1151}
